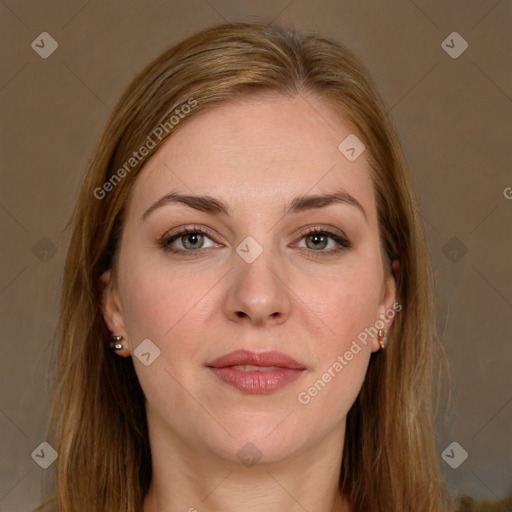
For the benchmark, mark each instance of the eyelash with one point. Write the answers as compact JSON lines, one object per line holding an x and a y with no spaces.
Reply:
{"x":166,"y":241}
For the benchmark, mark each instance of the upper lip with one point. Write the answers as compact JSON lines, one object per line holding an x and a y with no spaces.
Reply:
{"x":245,"y":357}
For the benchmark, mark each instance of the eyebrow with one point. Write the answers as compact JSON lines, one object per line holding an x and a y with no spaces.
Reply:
{"x":218,"y":207}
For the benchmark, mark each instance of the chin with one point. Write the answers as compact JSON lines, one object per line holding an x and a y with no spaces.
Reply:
{"x":260,"y":437}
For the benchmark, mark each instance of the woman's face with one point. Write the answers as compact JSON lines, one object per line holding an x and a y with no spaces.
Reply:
{"x":257,"y":281}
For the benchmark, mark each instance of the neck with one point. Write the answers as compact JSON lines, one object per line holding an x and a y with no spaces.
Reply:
{"x":193,"y":479}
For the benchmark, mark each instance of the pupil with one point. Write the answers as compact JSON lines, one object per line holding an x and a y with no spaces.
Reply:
{"x":192,"y":239}
{"x":317,"y":239}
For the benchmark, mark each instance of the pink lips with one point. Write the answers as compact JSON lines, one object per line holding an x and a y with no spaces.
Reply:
{"x":258,"y":380}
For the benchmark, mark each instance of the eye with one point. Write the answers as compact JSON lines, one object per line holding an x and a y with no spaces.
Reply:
{"x":317,"y":239}
{"x":193,"y":240}
{"x":190,"y":239}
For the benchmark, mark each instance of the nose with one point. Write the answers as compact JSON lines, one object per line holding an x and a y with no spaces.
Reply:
{"x":258,"y":292}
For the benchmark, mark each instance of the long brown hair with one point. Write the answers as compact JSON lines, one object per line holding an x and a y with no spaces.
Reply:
{"x":97,"y":420}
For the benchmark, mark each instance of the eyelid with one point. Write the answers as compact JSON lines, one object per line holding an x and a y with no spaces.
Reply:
{"x":307,"y":230}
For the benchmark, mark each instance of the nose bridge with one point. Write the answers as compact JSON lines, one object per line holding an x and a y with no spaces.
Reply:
{"x":258,"y":287}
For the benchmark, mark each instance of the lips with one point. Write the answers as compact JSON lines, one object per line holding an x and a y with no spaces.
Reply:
{"x":262,"y":360}
{"x":256,"y":373}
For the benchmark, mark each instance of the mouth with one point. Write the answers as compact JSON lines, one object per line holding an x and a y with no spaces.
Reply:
{"x":246,"y":360}
{"x":256,"y":373}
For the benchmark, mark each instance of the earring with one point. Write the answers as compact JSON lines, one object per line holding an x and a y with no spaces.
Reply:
{"x":115,"y":343}
{"x":382,"y":336}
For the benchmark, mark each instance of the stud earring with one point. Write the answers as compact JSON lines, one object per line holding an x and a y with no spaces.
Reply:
{"x":382,"y":335}
{"x":115,"y":343}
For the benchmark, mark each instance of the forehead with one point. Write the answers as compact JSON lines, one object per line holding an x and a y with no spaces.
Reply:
{"x":264,"y":148}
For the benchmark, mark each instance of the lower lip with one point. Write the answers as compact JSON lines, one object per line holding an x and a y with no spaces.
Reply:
{"x":257,"y":382}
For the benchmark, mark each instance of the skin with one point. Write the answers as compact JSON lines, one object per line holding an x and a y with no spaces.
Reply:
{"x":255,"y":154}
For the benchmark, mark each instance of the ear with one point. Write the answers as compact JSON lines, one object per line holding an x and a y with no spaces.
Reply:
{"x":111,"y":309}
{"x":388,"y":306}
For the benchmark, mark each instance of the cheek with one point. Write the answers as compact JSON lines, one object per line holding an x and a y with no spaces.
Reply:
{"x":347,"y":305}
{"x":343,"y":357}
{"x":150,"y":305}
{"x":164,"y":304}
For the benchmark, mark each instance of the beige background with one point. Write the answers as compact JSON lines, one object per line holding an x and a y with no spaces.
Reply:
{"x":454,"y":117}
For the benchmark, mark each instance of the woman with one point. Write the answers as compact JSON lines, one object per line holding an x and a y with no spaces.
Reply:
{"x":247,"y":319}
